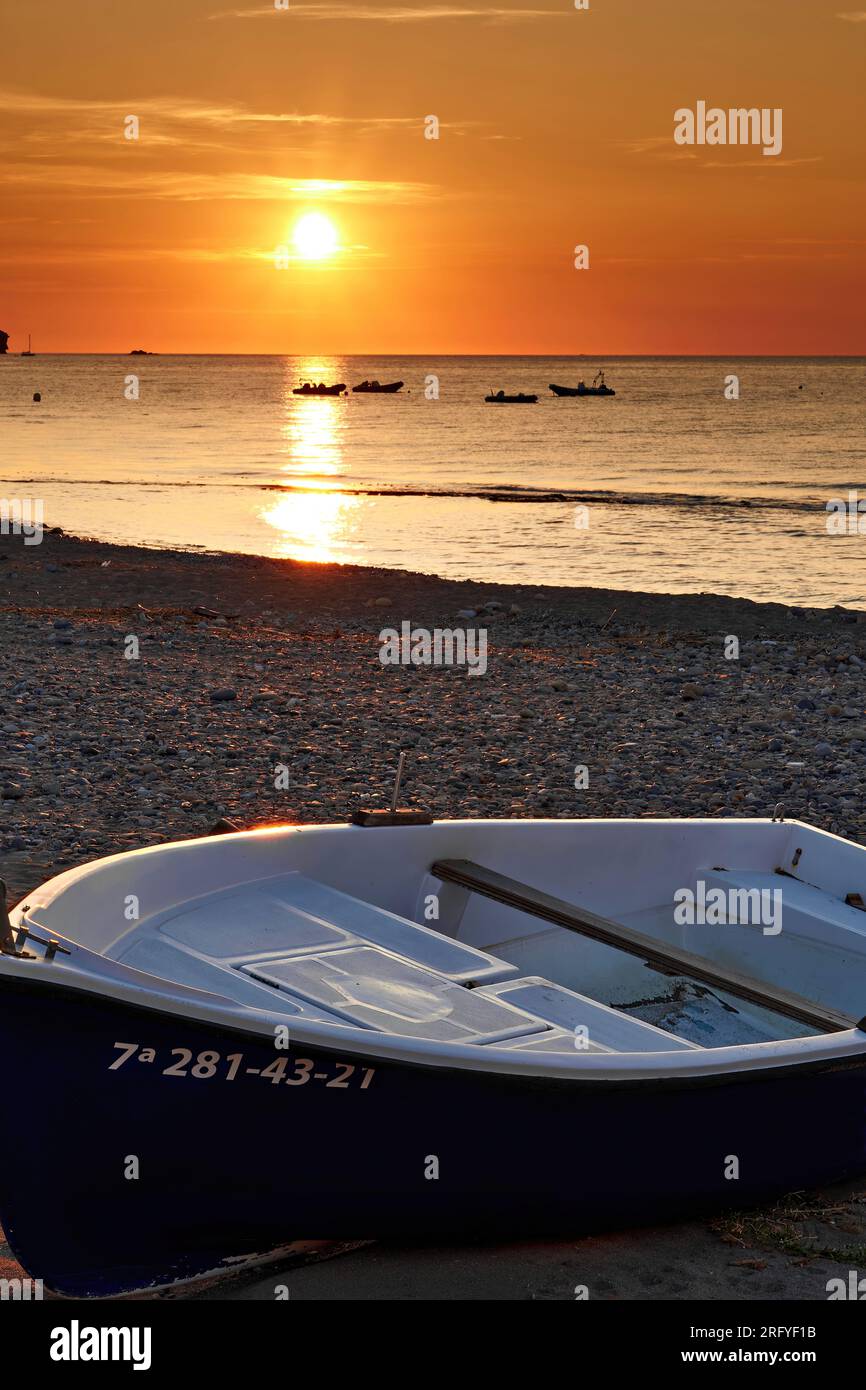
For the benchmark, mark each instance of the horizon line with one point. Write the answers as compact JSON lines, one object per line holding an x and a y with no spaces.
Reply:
{"x":570,"y":356}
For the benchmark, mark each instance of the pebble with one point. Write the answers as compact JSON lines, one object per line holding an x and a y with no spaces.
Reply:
{"x":105,"y":754}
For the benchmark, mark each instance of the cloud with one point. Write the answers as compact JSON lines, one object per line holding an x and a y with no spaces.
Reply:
{"x":662,"y":147}
{"x":781,"y":162}
{"x":390,"y":14}
{"x":31,"y":254}
{"x":204,"y":187}
{"x":853,"y":16}
{"x":184,"y":110}
{"x":42,"y":121}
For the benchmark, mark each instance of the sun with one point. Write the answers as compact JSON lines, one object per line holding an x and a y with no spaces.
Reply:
{"x":314,"y":237}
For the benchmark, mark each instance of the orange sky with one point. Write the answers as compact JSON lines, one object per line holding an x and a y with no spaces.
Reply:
{"x":556,"y":129}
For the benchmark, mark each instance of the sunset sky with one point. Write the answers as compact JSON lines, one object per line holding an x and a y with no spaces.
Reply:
{"x":556,"y":129}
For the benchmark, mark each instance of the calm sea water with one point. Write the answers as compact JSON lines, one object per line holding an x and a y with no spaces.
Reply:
{"x":685,"y":491}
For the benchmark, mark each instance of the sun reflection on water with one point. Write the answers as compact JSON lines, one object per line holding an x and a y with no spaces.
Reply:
{"x":315,"y":525}
{"x":315,"y":519}
{"x":315,"y":426}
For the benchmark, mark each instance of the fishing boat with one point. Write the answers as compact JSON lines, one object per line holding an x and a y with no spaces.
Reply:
{"x":404,"y":1028}
{"x":598,"y":388}
{"x":313,"y":388}
{"x":500,"y":398}
{"x":377,"y":388}
{"x":29,"y":352}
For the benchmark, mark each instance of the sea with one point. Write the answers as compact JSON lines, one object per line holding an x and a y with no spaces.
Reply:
{"x":740,"y":476}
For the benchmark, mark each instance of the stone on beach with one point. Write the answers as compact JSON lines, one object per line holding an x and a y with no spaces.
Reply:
{"x":137,"y":753}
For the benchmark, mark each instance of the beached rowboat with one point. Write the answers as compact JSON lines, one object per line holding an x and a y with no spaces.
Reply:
{"x":469,"y":1028}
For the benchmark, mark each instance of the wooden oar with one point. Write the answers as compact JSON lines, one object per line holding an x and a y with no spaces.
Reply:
{"x":659,"y":956}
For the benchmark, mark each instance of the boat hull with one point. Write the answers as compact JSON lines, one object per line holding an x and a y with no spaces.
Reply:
{"x":510,"y":400}
{"x":339,"y":390}
{"x":390,"y":388}
{"x":229,"y":1168}
{"x":587,"y":391}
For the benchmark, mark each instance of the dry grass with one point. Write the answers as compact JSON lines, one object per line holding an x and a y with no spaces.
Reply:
{"x":782,"y":1227}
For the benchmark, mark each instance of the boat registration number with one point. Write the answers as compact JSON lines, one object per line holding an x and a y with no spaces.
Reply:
{"x":208,"y":1065}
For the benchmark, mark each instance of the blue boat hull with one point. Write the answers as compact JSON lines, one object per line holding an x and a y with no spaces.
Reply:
{"x":330,"y":1145}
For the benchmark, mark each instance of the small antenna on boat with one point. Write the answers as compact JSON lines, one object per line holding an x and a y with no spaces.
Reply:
{"x":397,"y":780}
{"x":395,"y":815}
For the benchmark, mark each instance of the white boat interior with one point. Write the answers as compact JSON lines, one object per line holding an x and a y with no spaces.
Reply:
{"x":350,"y":927}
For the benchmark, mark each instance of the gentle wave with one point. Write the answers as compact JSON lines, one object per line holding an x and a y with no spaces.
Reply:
{"x":514,"y":493}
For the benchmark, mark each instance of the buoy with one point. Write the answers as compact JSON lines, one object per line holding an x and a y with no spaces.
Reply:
{"x":37,"y":395}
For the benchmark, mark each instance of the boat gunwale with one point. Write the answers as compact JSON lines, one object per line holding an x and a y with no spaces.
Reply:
{"x":733,"y":1063}
{"x":153,"y":993}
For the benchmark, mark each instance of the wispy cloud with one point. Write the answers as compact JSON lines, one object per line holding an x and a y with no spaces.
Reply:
{"x":391,"y":14}
{"x":34,"y":121}
{"x":783,"y":162}
{"x":218,"y":187}
{"x":183,"y":109}
{"x":853,"y":16}
{"x":662,"y":147}
{"x":194,"y":255}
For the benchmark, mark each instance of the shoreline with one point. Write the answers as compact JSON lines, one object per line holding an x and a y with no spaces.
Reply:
{"x":699,"y":609}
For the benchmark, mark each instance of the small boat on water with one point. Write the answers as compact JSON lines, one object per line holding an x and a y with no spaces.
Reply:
{"x":500,"y":398}
{"x":377,"y":388}
{"x":598,"y":388}
{"x":29,"y":352}
{"x":582,"y":1020}
{"x":313,"y":388}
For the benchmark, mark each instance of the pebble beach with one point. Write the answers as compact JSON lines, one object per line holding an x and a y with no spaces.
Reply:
{"x":257,"y":694}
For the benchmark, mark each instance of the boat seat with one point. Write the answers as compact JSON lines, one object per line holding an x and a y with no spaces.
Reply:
{"x":292,"y":915}
{"x":821,"y":942}
{"x":608,"y":1030}
{"x":373,"y":988}
{"x":807,"y":911}
{"x":169,"y":962}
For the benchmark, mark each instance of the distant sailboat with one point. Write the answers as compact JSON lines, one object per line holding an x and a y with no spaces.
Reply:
{"x":28,"y":353}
